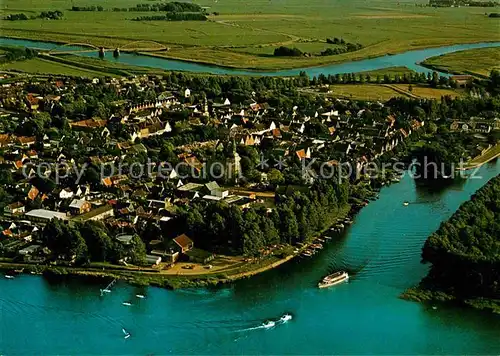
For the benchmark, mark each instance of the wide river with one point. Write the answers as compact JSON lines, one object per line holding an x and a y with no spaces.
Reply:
{"x":381,"y":251}
{"x":409,"y":59}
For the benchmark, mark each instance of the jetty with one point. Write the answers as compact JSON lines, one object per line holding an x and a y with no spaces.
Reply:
{"x":108,"y":287}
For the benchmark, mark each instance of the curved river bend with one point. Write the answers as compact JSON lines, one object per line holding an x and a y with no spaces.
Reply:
{"x":381,"y":250}
{"x":408,"y":59}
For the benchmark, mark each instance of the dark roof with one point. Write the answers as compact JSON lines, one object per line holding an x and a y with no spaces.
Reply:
{"x":183,"y":241}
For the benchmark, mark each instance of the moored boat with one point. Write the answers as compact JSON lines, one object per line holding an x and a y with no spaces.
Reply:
{"x":333,"y":279}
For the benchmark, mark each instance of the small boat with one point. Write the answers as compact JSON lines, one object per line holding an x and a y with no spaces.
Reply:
{"x":286,"y":317}
{"x":126,"y":333}
{"x":19,"y":270}
{"x":127,"y":304}
{"x":328,"y":238}
{"x":268,"y":324}
{"x":406,"y":203}
{"x":307,"y":253}
{"x":333,"y":279}
{"x":140,"y":296}
{"x":106,"y":290}
{"x":9,"y":276}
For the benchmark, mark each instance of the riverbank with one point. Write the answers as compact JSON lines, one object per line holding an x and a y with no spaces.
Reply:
{"x":489,"y":155}
{"x":176,"y":278}
{"x":478,"y":62}
{"x":422,"y":295}
{"x":463,"y":255}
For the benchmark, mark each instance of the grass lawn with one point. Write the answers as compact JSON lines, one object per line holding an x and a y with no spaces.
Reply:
{"x":477,"y":62}
{"x":488,"y":156}
{"x":244,"y":35}
{"x":42,"y":66}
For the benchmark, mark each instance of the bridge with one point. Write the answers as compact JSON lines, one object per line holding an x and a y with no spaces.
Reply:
{"x":129,"y":47}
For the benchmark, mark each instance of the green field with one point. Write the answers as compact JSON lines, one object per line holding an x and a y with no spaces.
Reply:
{"x":41,"y":66}
{"x":244,"y":34}
{"x":385,"y":92}
{"x":477,"y":62}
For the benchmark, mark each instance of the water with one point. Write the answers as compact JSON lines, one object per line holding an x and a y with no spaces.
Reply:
{"x":381,"y":251}
{"x":408,"y":59}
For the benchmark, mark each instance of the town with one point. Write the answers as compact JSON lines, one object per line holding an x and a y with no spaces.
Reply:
{"x":192,"y":175}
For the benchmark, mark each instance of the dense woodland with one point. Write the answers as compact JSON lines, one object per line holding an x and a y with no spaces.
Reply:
{"x":296,"y":218}
{"x":465,"y":250}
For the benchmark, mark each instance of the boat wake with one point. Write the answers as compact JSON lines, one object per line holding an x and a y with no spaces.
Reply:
{"x":270,"y":324}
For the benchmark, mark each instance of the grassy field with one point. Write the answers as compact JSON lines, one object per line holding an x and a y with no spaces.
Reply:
{"x":245,"y":34}
{"x":385,"y":92}
{"x":42,"y":66}
{"x":477,"y":62}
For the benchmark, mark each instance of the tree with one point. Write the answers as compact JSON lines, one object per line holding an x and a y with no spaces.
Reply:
{"x":431,"y":128}
{"x":137,"y":251}
{"x":275,"y":177}
{"x":100,"y":245}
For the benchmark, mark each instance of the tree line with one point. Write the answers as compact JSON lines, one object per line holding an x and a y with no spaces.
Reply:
{"x":220,"y":227}
{"x":52,"y":15}
{"x":89,"y":242}
{"x":174,"y":16}
{"x":465,"y":250}
{"x":174,"y":6}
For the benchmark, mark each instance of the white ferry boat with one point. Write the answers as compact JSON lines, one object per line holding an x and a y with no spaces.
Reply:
{"x":333,"y":279}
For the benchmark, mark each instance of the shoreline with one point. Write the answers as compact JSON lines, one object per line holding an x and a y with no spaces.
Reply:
{"x":150,"y":277}
{"x":421,"y":294}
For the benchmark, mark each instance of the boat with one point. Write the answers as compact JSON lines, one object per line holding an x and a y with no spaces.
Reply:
{"x":140,"y":296}
{"x":307,"y":253}
{"x":286,"y":317}
{"x":9,"y":276}
{"x":406,"y":203}
{"x":327,"y":238}
{"x":268,"y":324}
{"x":127,"y":304}
{"x":106,"y":290}
{"x":126,"y":333}
{"x":19,"y":270}
{"x":333,"y":279}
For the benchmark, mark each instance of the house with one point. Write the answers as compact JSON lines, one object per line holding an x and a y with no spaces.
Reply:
{"x":26,"y":141}
{"x":153,"y":260}
{"x":184,"y":243}
{"x":33,"y":193}
{"x":462,"y":80}
{"x":79,"y":206}
{"x":44,"y":216}
{"x":16,"y":208}
{"x":66,"y":193}
{"x":215,"y":190}
{"x":168,"y":256}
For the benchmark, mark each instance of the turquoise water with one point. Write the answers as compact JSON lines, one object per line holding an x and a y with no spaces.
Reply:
{"x":408,"y":59}
{"x":381,"y":251}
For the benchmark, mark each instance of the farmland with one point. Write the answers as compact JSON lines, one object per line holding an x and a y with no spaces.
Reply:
{"x":245,"y":35}
{"x":477,"y":62}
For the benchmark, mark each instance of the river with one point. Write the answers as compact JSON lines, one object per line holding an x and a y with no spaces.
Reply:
{"x":381,"y":251}
{"x":409,"y":59}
